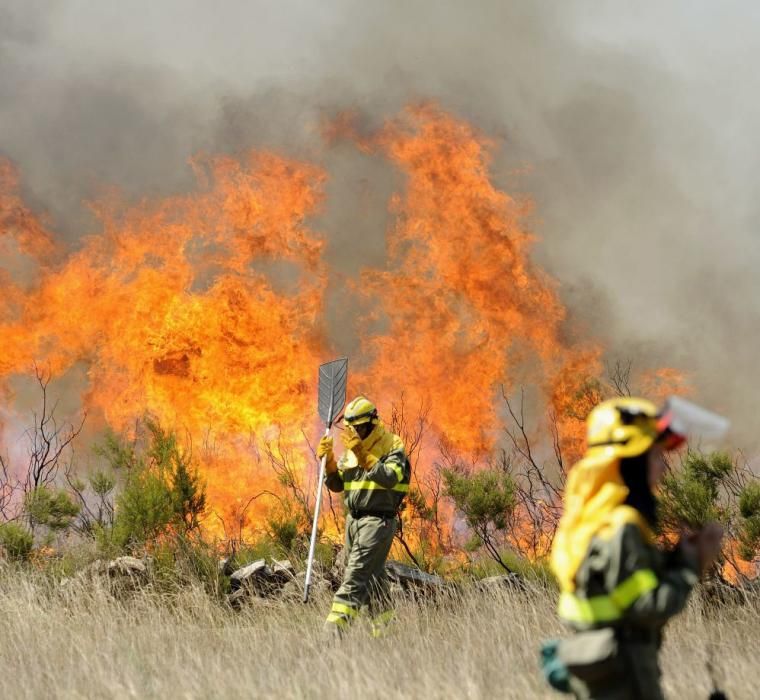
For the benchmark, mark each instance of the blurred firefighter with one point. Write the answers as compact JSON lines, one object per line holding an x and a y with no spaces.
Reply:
{"x":618,"y":588}
{"x":373,"y":475}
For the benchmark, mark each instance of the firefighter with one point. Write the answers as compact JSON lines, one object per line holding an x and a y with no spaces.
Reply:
{"x":618,"y":588}
{"x":373,"y":474}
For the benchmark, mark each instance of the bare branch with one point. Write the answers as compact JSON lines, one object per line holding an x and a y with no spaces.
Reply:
{"x":9,"y":488}
{"x":619,"y":377}
{"x":48,"y":441}
{"x":539,"y":496}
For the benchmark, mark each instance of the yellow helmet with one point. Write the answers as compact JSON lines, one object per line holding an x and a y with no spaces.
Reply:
{"x":623,"y":427}
{"x":360,"y":410}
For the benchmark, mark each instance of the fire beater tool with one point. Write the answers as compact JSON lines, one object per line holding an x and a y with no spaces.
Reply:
{"x":333,"y":377}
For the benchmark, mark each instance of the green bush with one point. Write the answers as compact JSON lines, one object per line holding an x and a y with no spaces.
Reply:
{"x":144,"y":509}
{"x":486,"y":499}
{"x":713,"y":487}
{"x":50,"y":507}
{"x":17,"y":541}
{"x":691,"y":495}
{"x":117,"y":452}
{"x":162,"y":493}
{"x":188,"y":494}
{"x":284,"y":532}
{"x":102,"y":483}
{"x":749,"y":500}
{"x":749,"y":532}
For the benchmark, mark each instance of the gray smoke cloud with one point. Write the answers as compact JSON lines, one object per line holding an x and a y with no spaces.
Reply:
{"x":632,"y":126}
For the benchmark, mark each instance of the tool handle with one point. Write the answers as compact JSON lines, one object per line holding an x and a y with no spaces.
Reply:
{"x":313,"y":542}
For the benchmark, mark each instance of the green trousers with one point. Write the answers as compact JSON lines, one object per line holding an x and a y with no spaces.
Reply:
{"x":365,"y":582}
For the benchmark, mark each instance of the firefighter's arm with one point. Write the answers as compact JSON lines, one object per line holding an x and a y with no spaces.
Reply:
{"x":334,"y":476}
{"x":647,"y":595}
{"x":389,"y":471}
{"x":334,"y":480}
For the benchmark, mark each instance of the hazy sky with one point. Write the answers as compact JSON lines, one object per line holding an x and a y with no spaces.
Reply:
{"x":636,"y":123}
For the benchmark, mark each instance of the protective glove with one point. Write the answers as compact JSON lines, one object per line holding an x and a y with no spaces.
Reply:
{"x":325,"y":449}
{"x":351,"y":441}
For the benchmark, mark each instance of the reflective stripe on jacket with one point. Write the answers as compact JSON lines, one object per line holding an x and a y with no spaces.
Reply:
{"x":381,"y":488}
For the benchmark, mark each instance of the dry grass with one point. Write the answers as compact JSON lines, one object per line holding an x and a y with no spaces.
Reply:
{"x":79,"y":642}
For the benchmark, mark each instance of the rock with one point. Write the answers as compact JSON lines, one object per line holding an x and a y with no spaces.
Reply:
{"x":258,"y":580}
{"x":237,"y":598}
{"x":126,"y":575}
{"x":282,"y":570}
{"x":409,"y":577}
{"x":505,"y":582}
{"x":127,"y":567}
{"x":247,"y":574}
{"x":226,"y":566}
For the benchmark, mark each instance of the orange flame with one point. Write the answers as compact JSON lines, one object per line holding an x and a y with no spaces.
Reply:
{"x":465,"y":305}
{"x":170,"y":308}
{"x":17,"y":222}
{"x":164,"y":307}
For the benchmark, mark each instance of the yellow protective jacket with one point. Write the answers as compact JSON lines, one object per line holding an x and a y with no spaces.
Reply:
{"x":618,"y":589}
{"x":625,"y":580}
{"x":626,"y":590}
{"x":381,"y":488}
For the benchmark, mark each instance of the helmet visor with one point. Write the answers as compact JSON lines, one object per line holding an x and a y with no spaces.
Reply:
{"x":680,"y":420}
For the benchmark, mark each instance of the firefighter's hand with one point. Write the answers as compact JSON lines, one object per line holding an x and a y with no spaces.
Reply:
{"x":325,"y":447}
{"x":352,"y":441}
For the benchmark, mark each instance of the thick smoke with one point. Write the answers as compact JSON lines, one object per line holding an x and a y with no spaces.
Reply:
{"x":633,"y":129}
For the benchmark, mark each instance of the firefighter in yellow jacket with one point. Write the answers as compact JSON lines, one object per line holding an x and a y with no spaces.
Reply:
{"x":618,"y":588}
{"x":373,"y":475}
